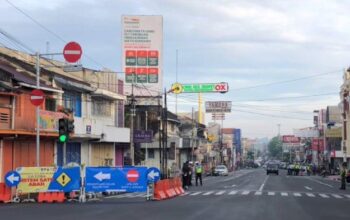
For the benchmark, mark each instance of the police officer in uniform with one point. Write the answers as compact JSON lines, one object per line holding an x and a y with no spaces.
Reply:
{"x":198,"y":171}
{"x":343,"y":176}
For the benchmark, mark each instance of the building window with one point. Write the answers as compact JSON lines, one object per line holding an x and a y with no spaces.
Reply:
{"x":151,"y":153}
{"x":172,"y":128}
{"x":50,"y":105}
{"x":72,"y":100}
{"x":101,"y":107}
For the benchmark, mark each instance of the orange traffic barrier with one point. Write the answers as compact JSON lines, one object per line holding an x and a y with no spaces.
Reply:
{"x":50,"y":197}
{"x":159,"y":192}
{"x":174,"y":186}
{"x":5,"y":193}
{"x":170,"y":192}
{"x":178,"y":183}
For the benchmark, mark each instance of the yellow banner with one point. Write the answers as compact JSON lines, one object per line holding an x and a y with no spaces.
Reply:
{"x":35,"y":179}
{"x":334,"y":133}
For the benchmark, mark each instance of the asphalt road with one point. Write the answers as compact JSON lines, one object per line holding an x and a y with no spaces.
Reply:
{"x":244,"y":194}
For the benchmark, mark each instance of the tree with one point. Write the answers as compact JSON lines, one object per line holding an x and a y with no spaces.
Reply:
{"x":275,"y":147}
{"x":250,"y":155}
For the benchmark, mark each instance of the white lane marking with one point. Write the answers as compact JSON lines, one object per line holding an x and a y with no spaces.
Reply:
{"x":323,"y":195}
{"x":196,"y":193}
{"x":297,"y":194}
{"x":271,"y":193}
{"x":208,"y":193}
{"x":348,"y":196}
{"x":233,"y":185}
{"x":337,"y":196}
{"x":245,"y":193}
{"x":308,"y":188}
{"x":284,"y":194}
{"x":322,"y":183}
{"x":310,"y":195}
{"x":234,"y":192}
{"x":186,"y":193}
{"x":263,"y":184}
{"x":220,"y":192}
{"x":258,"y":193}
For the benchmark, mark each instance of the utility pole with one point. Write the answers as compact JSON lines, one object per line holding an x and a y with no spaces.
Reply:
{"x":192,"y":139}
{"x":38,"y":112}
{"x":160,"y":132}
{"x":146,"y":157}
{"x":132,"y":110}
{"x":176,"y":82}
{"x":165,"y":135}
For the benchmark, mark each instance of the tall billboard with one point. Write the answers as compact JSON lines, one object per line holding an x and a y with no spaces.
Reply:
{"x":142,"y":52}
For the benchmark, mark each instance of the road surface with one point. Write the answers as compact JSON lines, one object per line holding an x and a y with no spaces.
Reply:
{"x":244,"y":194}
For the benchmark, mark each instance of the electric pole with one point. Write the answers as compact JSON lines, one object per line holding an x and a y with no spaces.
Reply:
{"x":132,"y":115}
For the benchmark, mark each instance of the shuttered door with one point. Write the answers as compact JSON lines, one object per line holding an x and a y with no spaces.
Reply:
{"x":102,"y":154}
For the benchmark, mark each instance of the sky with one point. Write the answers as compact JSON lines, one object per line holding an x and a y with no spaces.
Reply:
{"x":281,"y":59}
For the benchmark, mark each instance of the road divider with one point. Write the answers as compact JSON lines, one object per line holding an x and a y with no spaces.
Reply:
{"x":5,"y":193}
{"x":168,"y":188}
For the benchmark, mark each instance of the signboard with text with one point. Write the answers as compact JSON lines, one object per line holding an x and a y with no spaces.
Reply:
{"x":218,"y":106}
{"x":44,"y":179}
{"x":107,"y":179}
{"x":141,"y":136}
{"x":142,"y":40}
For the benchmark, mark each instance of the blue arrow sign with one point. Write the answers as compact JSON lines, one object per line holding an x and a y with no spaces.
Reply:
{"x":104,"y":179}
{"x":12,"y":178}
{"x":153,"y":174}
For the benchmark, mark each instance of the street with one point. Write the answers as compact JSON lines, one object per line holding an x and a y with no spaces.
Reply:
{"x":244,"y":194}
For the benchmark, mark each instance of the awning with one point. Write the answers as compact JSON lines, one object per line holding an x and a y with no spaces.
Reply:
{"x":68,"y":84}
{"x":42,"y":88}
{"x":108,"y":94}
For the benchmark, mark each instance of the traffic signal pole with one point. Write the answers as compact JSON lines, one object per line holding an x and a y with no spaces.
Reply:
{"x":37,"y":112}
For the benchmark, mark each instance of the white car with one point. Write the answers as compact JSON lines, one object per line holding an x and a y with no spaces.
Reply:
{"x":221,"y":170}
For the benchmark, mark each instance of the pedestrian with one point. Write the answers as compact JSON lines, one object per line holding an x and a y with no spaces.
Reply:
{"x":185,"y":175}
{"x":343,"y":176}
{"x":297,"y":169}
{"x":190,"y":173}
{"x":199,"y":171}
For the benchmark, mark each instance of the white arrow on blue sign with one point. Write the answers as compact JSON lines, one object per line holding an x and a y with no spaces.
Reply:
{"x":153,"y":174}
{"x":12,"y":178}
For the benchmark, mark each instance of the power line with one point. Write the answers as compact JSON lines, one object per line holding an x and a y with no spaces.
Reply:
{"x":286,"y":81}
{"x":269,"y":115}
{"x":48,"y":30}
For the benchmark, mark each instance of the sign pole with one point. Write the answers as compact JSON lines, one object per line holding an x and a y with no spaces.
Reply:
{"x":64,"y":153}
{"x":147,"y":142}
{"x":37,"y":112}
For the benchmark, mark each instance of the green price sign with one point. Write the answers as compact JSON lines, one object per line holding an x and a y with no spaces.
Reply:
{"x":204,"y":87}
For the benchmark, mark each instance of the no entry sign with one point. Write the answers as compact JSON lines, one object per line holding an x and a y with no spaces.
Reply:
{"x":36,"y":97}
{"x":132,"y":176}
{"x":72,"y":52}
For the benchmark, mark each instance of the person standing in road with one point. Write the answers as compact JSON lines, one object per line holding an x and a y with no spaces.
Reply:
{"x":199,"y":171}
{"x":185,"y":175}
{"x":343,"y":176}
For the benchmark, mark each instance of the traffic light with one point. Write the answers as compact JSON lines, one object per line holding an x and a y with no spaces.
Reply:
{"x":65,"y":127}
{"x":63,"y":132}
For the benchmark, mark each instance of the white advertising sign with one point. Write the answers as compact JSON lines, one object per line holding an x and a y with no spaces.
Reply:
{"x":142,"y":51}
{"x":218,"y":106}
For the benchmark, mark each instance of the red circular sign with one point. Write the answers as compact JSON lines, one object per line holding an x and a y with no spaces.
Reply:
{"x":132,"y":176}
{"x":72,"y":52}
{"x":37,"y":97}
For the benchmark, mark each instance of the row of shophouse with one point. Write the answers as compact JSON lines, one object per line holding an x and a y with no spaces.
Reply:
{"x":102,"y":116}
{"x":327,"y":143}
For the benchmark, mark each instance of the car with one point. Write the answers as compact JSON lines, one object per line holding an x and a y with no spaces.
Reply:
{"x":272,"y":168}
{"x":221,"y":170}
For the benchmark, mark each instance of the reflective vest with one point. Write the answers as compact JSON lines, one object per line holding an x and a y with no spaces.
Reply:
{"x":199,"y":169}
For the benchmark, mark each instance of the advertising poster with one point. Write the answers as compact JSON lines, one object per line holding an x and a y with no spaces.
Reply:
{"x":142,"y":44}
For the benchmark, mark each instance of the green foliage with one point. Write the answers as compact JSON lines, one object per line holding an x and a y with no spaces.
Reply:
{"x":275,"y":147}
{"x":250,"y":155}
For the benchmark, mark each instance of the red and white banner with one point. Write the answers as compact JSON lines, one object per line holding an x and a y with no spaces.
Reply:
{"x":317,"y":144}
{"x":290,"y":139}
